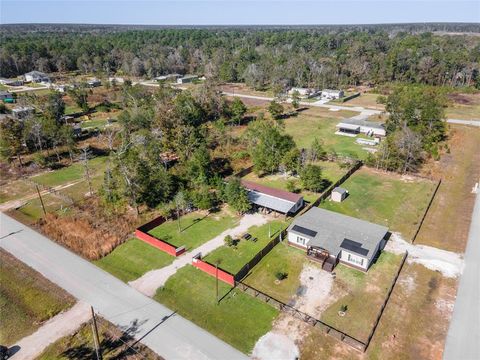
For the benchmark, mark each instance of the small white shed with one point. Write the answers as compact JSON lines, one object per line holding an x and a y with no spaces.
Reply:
{"x":339,"y":194}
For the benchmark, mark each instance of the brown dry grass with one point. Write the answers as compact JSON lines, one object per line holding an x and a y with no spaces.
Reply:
{"x":448,"y":220}
{"x":89,"y":231}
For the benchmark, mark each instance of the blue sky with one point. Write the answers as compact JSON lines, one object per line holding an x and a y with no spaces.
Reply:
{"x":232,"y":12}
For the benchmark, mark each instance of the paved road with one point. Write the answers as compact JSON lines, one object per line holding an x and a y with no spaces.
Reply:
{"x":463,"y":339}
{"x":166,"y":333}
{"x":464,"y":122}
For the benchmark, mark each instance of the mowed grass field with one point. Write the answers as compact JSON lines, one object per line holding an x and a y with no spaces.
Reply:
{"x":331,"y":171}
{"x":363,"y":295}
{"x":282,"y":258}
{"x":414,"y":324}
{"x":320,"y":123}
{"x":386,"y":199}
{"x":26,"y":299}
{"x":132,"y":259}
{"x":366,"y":100}
{"x":233,"y":258}
{"x":447,"y":222}
{"x":196,"y":227}
{"x":239,"y":319}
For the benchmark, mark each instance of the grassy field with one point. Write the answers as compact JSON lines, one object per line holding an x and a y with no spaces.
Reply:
{"x":282,"y":258}
{"x":365,"y":293}
{"x":413,"y":326}
{"x":312,"y":123}
{"x":366,"y":100}
{"x":113,"y":342}
{"x":238,"y":319}
{"x":132,"y":259}
{"x":15,"y":190}
{"x":197,"y":228}
{"x":331,"y":171}
{"x":26,"y":299}
{"x":464,"y":106}
{"x":72,"y":173}
{"x":447,"y":223}
{"x":385,"y":199}
{"x":233,"y":259}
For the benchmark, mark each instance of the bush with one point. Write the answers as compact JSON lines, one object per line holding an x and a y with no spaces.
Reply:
{"x":343,"y":308}
{"x":228,"y":240}
{"x":280,"y":275}
{"x":291,"y":186}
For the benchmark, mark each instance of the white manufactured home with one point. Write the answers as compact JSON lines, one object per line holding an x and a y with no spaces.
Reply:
{"x":329,"y":237}
{"x":353,"y":127}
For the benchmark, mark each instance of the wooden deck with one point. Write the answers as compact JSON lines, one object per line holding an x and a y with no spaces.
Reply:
{"x":322,"y":257}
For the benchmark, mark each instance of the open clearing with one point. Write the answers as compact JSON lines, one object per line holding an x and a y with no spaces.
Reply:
{"x":233,"y":258}
{"x":362,"y":293}
{"x":448,"y":220}
{"x":132,"y":259}
{"x":314,"y":123}
{"x":196,"y":228}
{"x":413,"y":326}
{"x":26,"y":299}
{"x":80,"y":345}
{"x":366,"y":100}
{"x":331,"y":171}
{"x":397,"y":202}
{"x":464,"y":106}
{"x":282,"y":258}
{"x":238,"y":319}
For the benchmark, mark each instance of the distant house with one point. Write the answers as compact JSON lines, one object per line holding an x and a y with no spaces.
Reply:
{"x":6,"y":96}
{"x":37,"y":77}
{"x":332,"y":94}
{"x":187,"y":79}
{"x":273,"y":199}
{"x":339,"y":194}
{"x":168,"y":77}
{"x":330,"y":237}
{"x":303,"y":92}
{"x":353,"y":127}
{"x":94,"y":83}
{"x":11,"y":82}
{"x":22,"y":112}
{"x":116,"y":80}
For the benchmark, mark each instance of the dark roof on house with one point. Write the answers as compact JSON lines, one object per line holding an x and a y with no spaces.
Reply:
{"x":335,"y":231}
{"x":278,"y":193}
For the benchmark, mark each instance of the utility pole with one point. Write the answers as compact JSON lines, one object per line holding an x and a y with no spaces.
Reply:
{"x":216,"y":278}
{"x":98,"y":352}
{"x":41,"y":200}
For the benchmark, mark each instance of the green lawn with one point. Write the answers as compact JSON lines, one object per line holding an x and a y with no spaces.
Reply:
{"x":465,"y":112}
{"x":72,"y":109}
{"x":26,"y":299}
{"x":15,"y":190}
{"x":364,"y":294}
{"x":238,"y":319}
{"x":33,"y":208}
{"x":197,"y":228}
{"x":233,"y":259}
{"x":331,"y":171}
{"x":385,"y":199}
{"x":132,"y":259}
{"x":282,"y":258}
{"x":72,"y":173}
{"x":309,"y":125}
{"x":98,"y":123}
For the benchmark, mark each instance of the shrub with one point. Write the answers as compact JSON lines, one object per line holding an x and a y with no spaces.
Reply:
{"x":229,"y":241}
{"x":291,"y":186}
{"x":343,"y":308}
{"x":280,"y":275}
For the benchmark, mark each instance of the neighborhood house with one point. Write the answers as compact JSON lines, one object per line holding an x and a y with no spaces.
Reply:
{"x":22,"y":112}
{"x":330,"y":237}
{"x":353,"y":127}
{"x":11,"y":82}
{"x":168,"y":77}
{"x":187,"y":79}
{"x":37,"y":77}
{"x":332,"y":94}
{"x":303,"y":92}
{"x":273,"y":199}
{"x":6,"y":96}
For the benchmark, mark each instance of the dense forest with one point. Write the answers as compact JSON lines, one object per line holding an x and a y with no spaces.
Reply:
{"x":260,"y":56}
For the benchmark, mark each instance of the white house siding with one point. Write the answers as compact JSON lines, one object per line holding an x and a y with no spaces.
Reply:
{"x":297,"y":240}
{"x":354,"y":259}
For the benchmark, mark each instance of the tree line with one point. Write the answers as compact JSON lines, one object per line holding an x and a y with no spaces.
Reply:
{"x":261,"y":57}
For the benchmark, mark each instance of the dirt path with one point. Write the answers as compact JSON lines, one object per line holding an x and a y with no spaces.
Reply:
{"x":450,"y":264}
{"x":13,"y":204}
{"x":152,"y":280}
{"x":57,"y":327}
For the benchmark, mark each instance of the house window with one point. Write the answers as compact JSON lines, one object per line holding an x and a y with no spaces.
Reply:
{"x":355,"y":259}
{"x":301,"y":240}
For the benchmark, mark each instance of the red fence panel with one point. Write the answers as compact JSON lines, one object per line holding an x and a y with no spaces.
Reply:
{"x":159,"y":244}
{"x":211,"y":270}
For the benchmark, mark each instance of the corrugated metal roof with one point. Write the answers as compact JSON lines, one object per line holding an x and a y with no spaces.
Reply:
{"x":271,"y":202}
{"x":281,"y":194}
